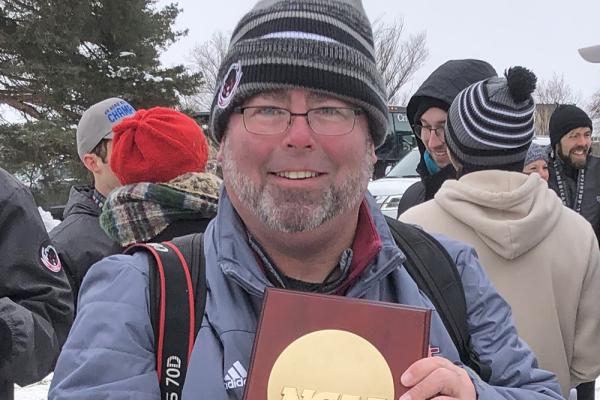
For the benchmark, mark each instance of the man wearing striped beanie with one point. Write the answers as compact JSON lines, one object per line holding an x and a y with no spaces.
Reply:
{"x":519,"y":227}
{"x":298,"y":113}
{"x":490,"y":124}
{"x":315,"y":45}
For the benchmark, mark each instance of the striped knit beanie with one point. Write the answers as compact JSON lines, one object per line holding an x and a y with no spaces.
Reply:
{"x":490,"y":123}
{"x":320,"y":45}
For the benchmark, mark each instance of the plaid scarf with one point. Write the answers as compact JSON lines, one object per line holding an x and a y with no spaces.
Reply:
{"x":140,"y":211}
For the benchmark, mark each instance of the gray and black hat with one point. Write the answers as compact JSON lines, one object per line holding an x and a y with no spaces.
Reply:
{"x":490,"y":123}
{"x":97,"y":122}
{"x":537,"y":152}
{"x":321,"y":45}
{"x":564,"y":119}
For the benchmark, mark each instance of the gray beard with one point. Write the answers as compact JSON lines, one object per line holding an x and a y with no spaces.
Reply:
{"x":293,"y":211}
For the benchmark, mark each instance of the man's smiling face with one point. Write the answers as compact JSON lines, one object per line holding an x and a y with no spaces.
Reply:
{"x":296,"y":180}
{"x":575,"y":146}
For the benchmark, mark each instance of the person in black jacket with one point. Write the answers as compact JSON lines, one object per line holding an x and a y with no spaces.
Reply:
{"x":78,"y":238}
{"x":36,"y":305}
{"x":159,"y":156}
{"x":574,"y":172}
{"x":585,"y":391}
{"x":426,"y":112}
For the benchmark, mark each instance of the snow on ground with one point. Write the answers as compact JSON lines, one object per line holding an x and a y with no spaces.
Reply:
{"x":36,"y":391}
{"x":49,"y":221}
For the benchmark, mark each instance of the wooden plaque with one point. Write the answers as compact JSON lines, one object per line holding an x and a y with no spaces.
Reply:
{"x":321,"y":347}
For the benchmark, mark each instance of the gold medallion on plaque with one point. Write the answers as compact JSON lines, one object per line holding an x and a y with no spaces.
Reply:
{"x":330,"y":365}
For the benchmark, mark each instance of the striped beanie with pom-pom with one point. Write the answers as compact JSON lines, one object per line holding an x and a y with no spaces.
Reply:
{"x":490,"y":123}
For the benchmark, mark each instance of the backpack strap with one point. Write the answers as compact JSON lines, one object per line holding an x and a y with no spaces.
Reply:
{"x":435,"y":273}
{"x":177,"y":299}
{"x":192,"y":249}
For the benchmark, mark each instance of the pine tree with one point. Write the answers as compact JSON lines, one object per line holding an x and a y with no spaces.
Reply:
{"x":57,"y":57}
{"x":43,"y":156}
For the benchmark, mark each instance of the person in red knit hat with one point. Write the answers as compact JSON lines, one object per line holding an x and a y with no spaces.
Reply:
{"x":159,"y":156}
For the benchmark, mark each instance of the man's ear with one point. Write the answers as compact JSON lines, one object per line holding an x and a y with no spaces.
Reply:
{"x":92,"y":162}
{"x":220,"y":151}
{"x":372,"y":154}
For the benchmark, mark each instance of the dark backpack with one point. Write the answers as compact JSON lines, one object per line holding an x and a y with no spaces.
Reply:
{"x":180,"y":264}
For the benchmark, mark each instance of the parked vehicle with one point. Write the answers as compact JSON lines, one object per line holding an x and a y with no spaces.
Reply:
{"x":389,"y":189}
{"x":398,"y":142}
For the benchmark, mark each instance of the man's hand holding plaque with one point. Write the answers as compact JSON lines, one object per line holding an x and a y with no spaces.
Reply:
{"x":437,"y":378}
{"x":318,"y":347}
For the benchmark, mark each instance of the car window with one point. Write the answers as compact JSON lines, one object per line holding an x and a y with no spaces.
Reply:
{"x":407,"y":166}
{"x":400,"y":122}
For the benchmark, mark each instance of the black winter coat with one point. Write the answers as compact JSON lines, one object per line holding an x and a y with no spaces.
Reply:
{"x":423,"y":191}
{"x":36,"y":306}
{"x":590,"y":206}
{"x":79,"y":239}
{"x":444,"y":84}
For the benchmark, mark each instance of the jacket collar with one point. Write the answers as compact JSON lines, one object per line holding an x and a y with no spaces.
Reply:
{"x":238,"y":262}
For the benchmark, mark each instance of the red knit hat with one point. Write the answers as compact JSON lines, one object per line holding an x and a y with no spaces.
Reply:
{"x":157,"y":145}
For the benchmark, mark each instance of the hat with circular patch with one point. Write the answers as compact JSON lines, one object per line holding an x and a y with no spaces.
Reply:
{"x":319,"y":45}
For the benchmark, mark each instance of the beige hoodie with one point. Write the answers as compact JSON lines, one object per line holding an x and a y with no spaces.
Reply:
{"x":542,"y":257}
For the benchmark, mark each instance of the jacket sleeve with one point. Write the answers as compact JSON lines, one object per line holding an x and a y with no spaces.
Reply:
{"x":36,"y":305}
{"x":110,"y":350}
{"x":585,"y":365}
{"x":515,"y":374}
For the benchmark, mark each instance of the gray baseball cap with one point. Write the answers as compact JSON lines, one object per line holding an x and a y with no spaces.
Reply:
{"x":591,"y":54}
{"x":97,"y":122}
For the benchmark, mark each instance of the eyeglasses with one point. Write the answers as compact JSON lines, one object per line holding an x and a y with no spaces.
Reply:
{"x":328,"y":121}
{"x":424,"y":132}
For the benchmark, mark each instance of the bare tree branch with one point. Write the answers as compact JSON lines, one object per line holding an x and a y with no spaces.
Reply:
{"x":548,"y":94}
{"x":594,"y":106}
{"x":21,"y":106}
{"x":398,"y":58}
{"x":206,"y":58}
{"x":555,"y":91}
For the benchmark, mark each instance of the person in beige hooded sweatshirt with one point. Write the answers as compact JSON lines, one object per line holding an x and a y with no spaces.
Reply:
{"x":542,"y":257}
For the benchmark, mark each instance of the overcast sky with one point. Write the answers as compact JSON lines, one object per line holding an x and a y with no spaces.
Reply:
{"x":541,"y":35}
